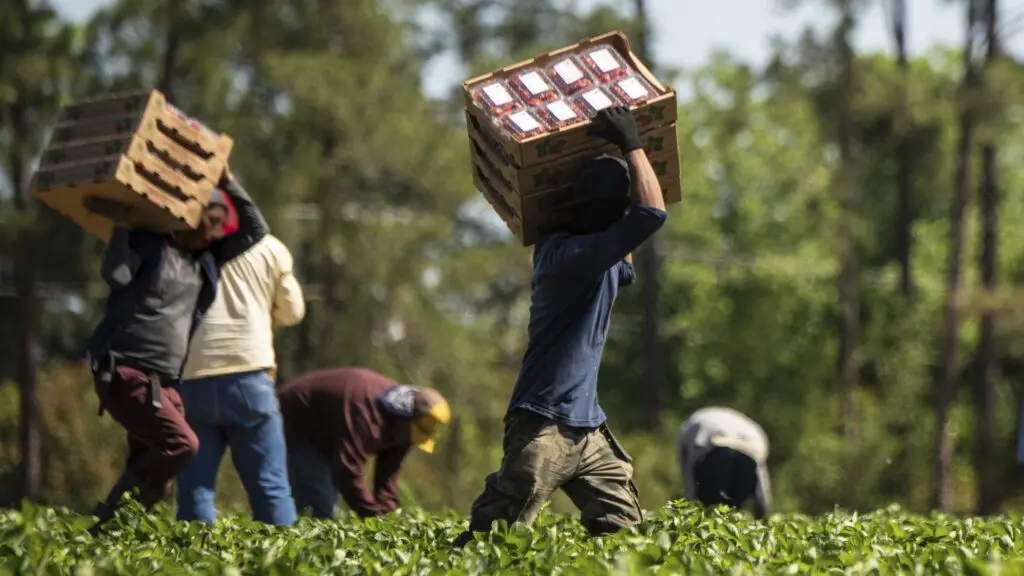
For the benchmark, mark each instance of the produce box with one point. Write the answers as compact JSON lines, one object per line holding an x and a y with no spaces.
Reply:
{"x":137,"y":149}
{"x":530,"y":217}
{"x":660,"y":144}
{"x":527,"y":126}
{"x":547,"y":143}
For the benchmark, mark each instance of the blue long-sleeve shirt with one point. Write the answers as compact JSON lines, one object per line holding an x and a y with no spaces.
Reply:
{"x":575,"y":281}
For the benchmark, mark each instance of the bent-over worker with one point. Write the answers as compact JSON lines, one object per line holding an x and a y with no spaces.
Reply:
{"x":336,"y":419}
{"x":228,"y":389}
{"x":723,"y":455}
{"x":160,"y":288}
{"x":555,"y":431}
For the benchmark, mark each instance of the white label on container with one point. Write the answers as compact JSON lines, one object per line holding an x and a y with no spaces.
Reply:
{"x":525,"y":121}
{"x":633,"y":88}
{"x":597,"y":99}
{"x":562,"y":111}
{"x":604,"y":60}
{"x":568,"y":71}
{"x":498,"y":94}
{"x":534,"y":83}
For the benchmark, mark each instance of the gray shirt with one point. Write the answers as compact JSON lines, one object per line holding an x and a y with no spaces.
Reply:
{"x":716,"y":427}
{"x":157,"y":335}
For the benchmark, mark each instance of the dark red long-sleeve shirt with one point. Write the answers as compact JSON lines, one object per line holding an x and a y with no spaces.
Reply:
{"x":337,"y":412}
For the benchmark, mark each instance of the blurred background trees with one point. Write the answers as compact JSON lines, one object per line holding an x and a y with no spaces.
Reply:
{"x":837,"y":268}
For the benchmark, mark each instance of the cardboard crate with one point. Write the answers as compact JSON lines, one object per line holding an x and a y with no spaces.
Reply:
{"x":654,"y":113}
{"x":153,"y":190}
{"x":144,"y":114}
{"x":532,"y":216}
{"x":136,"y":148}
{"x":660,"y":145}
{"x":155,"y":142}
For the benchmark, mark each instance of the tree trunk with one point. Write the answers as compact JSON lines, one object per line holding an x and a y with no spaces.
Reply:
{"x":904,"y":212}
{"x":25,"y":292}
{"x":649,"y":264}
{"x":849,"y":289}
{"x":985,"y":454}
{"x":941,"y":486}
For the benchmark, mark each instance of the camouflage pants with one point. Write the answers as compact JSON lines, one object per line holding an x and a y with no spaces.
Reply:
{"x":542,"y":456}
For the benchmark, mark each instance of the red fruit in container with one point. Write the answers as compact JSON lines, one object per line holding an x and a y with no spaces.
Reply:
{"x":495,"y":99}
{"x":569,"y":75}
{"x":560,"y":113}
{"x":523,"y":124}
{"x":605,"y":63}
{"x":595,"y":99}
{"x":533,"y":87}
{"x":633,"y":90}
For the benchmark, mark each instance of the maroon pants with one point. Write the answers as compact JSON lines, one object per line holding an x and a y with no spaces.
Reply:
{"x":160,"y":441}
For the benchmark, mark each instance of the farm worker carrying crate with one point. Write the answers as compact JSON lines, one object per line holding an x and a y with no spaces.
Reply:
{"x":160,"y":288}
{"x":228,"y":388}
{"x":336,"y":419}
{"x":555,"y":431}
{"x":723,"y":455}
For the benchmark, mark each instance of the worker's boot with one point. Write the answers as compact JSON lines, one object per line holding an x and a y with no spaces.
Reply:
{"x":105,"y":510}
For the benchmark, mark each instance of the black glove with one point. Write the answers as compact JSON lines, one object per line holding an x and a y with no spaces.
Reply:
{"x":616,"y":125}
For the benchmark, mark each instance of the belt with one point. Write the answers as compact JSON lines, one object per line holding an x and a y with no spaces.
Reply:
{"x":106,"y":366}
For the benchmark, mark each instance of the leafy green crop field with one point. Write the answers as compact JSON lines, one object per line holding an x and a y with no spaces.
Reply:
{"x":677,"y":539}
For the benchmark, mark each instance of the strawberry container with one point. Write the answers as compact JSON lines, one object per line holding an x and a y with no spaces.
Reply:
{"x":496,"y":99}
{"x":633,"y":90}
{"x":590,"y":101}
{"x":533,"y":87}
{"x":560,"y":113}
{"x":514,"y":145}
{"x":569,"y":75}
{"x":523,"y":124}
{"x":605,"y":63}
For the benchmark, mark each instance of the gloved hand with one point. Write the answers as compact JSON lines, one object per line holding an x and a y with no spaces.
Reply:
{"x":616,"y":125}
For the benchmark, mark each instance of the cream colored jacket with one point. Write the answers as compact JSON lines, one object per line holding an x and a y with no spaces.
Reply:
{"x":257,"y":292}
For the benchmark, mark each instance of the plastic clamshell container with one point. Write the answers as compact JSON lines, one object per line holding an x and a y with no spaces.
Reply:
{"x":560,"y":113}
{"x":569,"y":75}
{"x":590,"y":102}
{"x":632,"y":90}
{"x":496,"y":99}
{"x":533,"y":87}
{"x":605,"y":63}
{"x":523,"y":124}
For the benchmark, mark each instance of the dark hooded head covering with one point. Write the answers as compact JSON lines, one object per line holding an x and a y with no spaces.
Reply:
{"x":600,"y":196}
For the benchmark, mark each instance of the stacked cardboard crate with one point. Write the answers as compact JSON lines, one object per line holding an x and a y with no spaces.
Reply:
{"x":525,"y":177}
{"x":136,"y":149}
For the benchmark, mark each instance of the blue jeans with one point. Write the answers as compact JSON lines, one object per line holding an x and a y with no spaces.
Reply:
{"x":311,"y":481}
{"x":241,"y":412}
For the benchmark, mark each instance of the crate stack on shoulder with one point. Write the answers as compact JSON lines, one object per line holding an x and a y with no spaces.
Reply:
{"x":528,"y":125}
{"x":137,"y":149}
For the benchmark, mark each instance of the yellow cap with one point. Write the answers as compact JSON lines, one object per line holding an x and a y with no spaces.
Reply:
{"x":431,"y":414}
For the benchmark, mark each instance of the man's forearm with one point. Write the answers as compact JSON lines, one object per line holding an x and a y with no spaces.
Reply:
{"x":646,"y":188}
{"x":250,"y":218}
{"x":358,"y":498}
{"x":252,"y":227}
